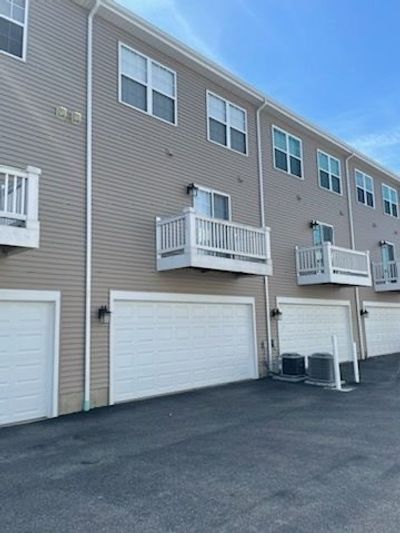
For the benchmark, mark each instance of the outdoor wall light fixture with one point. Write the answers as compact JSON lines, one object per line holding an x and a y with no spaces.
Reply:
{"x":104,"y":314}
{"x":382,"y":243}
{"x":192,"y":189}
{"x":276,"y":313}
{"x":364,"y":313}
{"x":313,"y":223}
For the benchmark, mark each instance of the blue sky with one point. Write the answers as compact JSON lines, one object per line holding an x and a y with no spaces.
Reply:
{"x":335,"y":62}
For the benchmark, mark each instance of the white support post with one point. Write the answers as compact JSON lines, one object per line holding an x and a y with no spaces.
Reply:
{"x":338,"y":381}
{"x":327,"y":259}
{"x":355,"y":364}
{"x":32,"y":201}
{"x":190,"y":231}
{"x":158,"y":237}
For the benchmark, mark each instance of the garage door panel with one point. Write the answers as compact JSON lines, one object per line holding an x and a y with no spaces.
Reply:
{"x":179,"y":346}
{"x":26,"y":360}
{"x":382,"y":329}
{"x":308,"y":328}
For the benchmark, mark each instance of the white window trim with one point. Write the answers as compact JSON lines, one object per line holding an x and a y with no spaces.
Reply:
{"x":319,"y":223}
{"x":373,"y":188}
{"x":388,"y":243}
{"x":24,"y":36}
{"x":148,"y":84}
{"x":391,"y":203}
{"x":329,"y":156}
{"x":227,"y":124}
{"x":274,"y":127}
{"x":214,"y":191}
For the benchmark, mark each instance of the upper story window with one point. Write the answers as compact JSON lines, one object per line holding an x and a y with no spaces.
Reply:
{"x":147,"y":85}
{"x":212,"y":203}
{"x":390,"y":200}
{"x":13,"y":16}
{"x":322,"y":233}
{"x":329,"y":172}
{"x":227,"y":123}
{"x":287,"y":152}
{"x":365,"y":189}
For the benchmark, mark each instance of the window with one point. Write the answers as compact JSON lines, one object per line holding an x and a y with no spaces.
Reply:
{"x":227,"y":123}
{"x":365,"y":189}
{"x":287,"y":153}
{"x":390,"y":200}
{"x":329,"y":172}
{"x":13,"y":15}
{"x":147,"y":85}
{"x":212,"y":204}
{"x":322,"y":233}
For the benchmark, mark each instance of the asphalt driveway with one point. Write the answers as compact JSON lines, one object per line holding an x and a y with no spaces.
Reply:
{"x":260,"y":456}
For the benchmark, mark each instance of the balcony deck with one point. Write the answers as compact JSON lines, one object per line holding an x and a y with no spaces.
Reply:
{"x":19,"y":200}
{"x":317,"y":265}
{"x":386,"y":276}
{"x":196,"y":241}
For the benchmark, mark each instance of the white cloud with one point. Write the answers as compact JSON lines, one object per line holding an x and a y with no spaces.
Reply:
{"x":374,"y":141}
{"x":383,"y":147}
{"x":169,"y":15}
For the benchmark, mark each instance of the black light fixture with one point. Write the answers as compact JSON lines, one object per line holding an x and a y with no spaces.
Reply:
{"x":364,"y":313}
{"x":192,"y":189}
{"x":313,"y":224}
{"x":276,"y":313}
{"x":382,"y":243}
{"x":104,"y":314}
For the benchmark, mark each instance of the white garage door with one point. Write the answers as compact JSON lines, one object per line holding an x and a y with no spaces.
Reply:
{"x":382,"y":328}
{"x":162,"y":346}
{"x":307,"y":327}
{"x":26,"y":360}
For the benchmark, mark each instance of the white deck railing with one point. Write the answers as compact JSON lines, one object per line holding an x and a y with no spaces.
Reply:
{"x":19,"y":206}
{"x":195,"y":234}
{"x":329,"y":261}
{"x":386,"y":272}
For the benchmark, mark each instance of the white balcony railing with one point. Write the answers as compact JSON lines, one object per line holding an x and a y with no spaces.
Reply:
{"x":331,"y":264}
{"x":386,"y":276}
{"x":19,"y":203}
{"x":192,"y":240}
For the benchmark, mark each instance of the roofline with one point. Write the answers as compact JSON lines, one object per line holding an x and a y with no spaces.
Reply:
{"x":231,"y":78}
{"x":182,"y":48}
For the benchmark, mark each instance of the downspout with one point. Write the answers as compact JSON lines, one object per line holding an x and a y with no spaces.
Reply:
{"x":353,"y":246}
{"x":262,"y":214}
{"x":89,"y":177}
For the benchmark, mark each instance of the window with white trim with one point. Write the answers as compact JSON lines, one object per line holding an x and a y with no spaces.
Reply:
{"x":329,"y":172}
{"x":365,"y":189}
{"x":390,"y":201}
{"x":13,"y":27}
{"x":322,"y":233}
{"x":212,"y":203}
{"x":227,"y":123}
{"x":287,"y":152}
{"x":147,"y":85}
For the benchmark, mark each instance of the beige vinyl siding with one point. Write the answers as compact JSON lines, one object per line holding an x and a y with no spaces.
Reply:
{"x":291,"y":204}
{"x":141,"y":169}
{"x":372,"y":226}
{"x":53,"y":74}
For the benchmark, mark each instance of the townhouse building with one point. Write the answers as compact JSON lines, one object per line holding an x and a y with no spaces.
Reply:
{"x":164,"y":225}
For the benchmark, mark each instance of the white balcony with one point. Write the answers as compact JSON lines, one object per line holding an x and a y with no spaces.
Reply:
{"x":331,"y":264}
{"x":386,"y":276}
{"x":197,"y":241}
{"x":19,"y":202}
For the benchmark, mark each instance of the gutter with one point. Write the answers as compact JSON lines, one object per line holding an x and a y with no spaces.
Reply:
{"x":89,"y":189}
{"x":268,"y":357}
{"x":353,"y":246}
